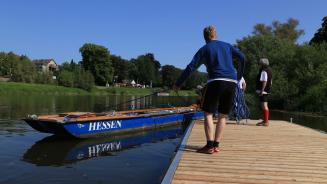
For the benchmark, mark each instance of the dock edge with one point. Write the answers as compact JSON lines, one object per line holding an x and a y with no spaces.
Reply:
{"x":174,"y":164}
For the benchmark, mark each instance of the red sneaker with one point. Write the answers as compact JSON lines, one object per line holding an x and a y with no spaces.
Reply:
{"x":206,"y":149}
{"x":216,"y":149}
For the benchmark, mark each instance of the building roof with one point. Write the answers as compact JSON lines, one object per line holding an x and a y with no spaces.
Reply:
{"x":43,"y":61}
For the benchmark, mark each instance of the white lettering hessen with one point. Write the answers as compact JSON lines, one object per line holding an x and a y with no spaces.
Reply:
{"x":104,"y":125}
{"x":100,"y":149}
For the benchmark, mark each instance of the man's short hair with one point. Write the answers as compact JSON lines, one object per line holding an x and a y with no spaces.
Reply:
{"x":209,"y":33}
{"x":264,"y":61}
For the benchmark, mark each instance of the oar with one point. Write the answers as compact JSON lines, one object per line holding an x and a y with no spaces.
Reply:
{"x":128,"y":101}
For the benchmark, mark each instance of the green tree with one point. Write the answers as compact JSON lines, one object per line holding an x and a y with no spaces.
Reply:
{"x":96,"y":59}
{"x":281,"y":54}
{"x":286,"y":31}
{"x":147,"y":69}
{"x":121,"y":67}
{"x":169,"y":75}
{"x":321,"y":35}
{"x":262,"y":29}
{"x":195,"y":79}
{"x":44,"y":78}
{"x":298,"y":70}
{"x":66,"y":78}
{"x":132,"y":70}
{"x":28,"y":68}
{"x":8,"y":62}
{"x":69,"y":66}
{"x":73,"y":75}
{"x":18,"y":68}
{"x":84,"y":80}
{"x":314,"y":100}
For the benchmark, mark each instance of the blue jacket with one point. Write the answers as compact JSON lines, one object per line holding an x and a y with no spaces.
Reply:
{"x":218,"y":58}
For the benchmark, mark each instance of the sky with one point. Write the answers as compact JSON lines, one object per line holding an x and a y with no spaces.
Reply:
{"x":170,"y":29}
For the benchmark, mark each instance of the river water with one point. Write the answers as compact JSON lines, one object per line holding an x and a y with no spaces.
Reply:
{"x":27,"y":156}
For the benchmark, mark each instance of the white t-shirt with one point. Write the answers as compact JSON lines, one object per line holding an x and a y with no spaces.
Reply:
{"x":263,"y":78}
{"x":241,"y":83}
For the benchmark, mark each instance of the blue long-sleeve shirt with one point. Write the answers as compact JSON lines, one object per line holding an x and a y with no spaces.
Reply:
{"x":218,"y":58}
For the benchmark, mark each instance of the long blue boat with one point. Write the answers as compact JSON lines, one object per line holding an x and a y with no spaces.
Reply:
{"x":86,"y":124}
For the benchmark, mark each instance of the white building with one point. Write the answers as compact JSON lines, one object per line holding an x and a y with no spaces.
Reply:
{"x":45,"y":65}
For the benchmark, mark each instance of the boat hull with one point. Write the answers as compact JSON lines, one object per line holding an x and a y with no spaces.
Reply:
{"x":112,"y":127}
{"x":47,"y":127}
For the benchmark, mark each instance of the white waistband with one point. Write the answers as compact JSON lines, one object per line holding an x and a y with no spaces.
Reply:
{"x":223,"y":79}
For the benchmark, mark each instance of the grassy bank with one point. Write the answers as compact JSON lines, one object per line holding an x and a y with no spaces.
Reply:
{"x":25,"y":88}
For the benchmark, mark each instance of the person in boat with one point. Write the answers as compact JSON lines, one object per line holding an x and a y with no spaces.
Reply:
{"x":263,"y":87}
{"x":217,"y":56}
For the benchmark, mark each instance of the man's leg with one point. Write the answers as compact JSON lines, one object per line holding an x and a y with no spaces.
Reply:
{"x":208,"y":126}
{"x":209,"y":131}
{"x":225,"y":105}
{"x":220,"y":127}
{"x":265,"y":111}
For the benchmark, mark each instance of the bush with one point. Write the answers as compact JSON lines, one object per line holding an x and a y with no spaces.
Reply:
{"x":84,"y":80}
{"x":44,"y":78}
{"x":66,"y":78}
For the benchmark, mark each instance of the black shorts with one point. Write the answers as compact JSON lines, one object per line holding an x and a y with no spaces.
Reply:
{"x":219,"y":95}
{"x":263,"y":98}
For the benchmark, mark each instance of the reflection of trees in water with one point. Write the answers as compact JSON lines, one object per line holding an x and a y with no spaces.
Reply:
{"x":18,"y":106}
{"x":8,"y":127}
{"x":307,"y":120}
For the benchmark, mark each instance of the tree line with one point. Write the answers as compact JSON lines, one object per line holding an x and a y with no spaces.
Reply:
{"x":299,"y":70}
{"x":145,"y":69}
{"x":97,"y":67}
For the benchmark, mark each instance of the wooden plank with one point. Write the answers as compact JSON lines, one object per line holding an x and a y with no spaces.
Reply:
{"x":281,"y":153}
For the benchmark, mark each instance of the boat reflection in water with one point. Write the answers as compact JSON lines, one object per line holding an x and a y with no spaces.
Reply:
{"x":57,"y":151}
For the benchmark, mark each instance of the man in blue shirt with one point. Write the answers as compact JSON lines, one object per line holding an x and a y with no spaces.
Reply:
{"x":217,"y":56}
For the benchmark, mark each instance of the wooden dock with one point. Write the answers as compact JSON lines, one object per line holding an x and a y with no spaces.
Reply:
{"x":280,"y":153}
